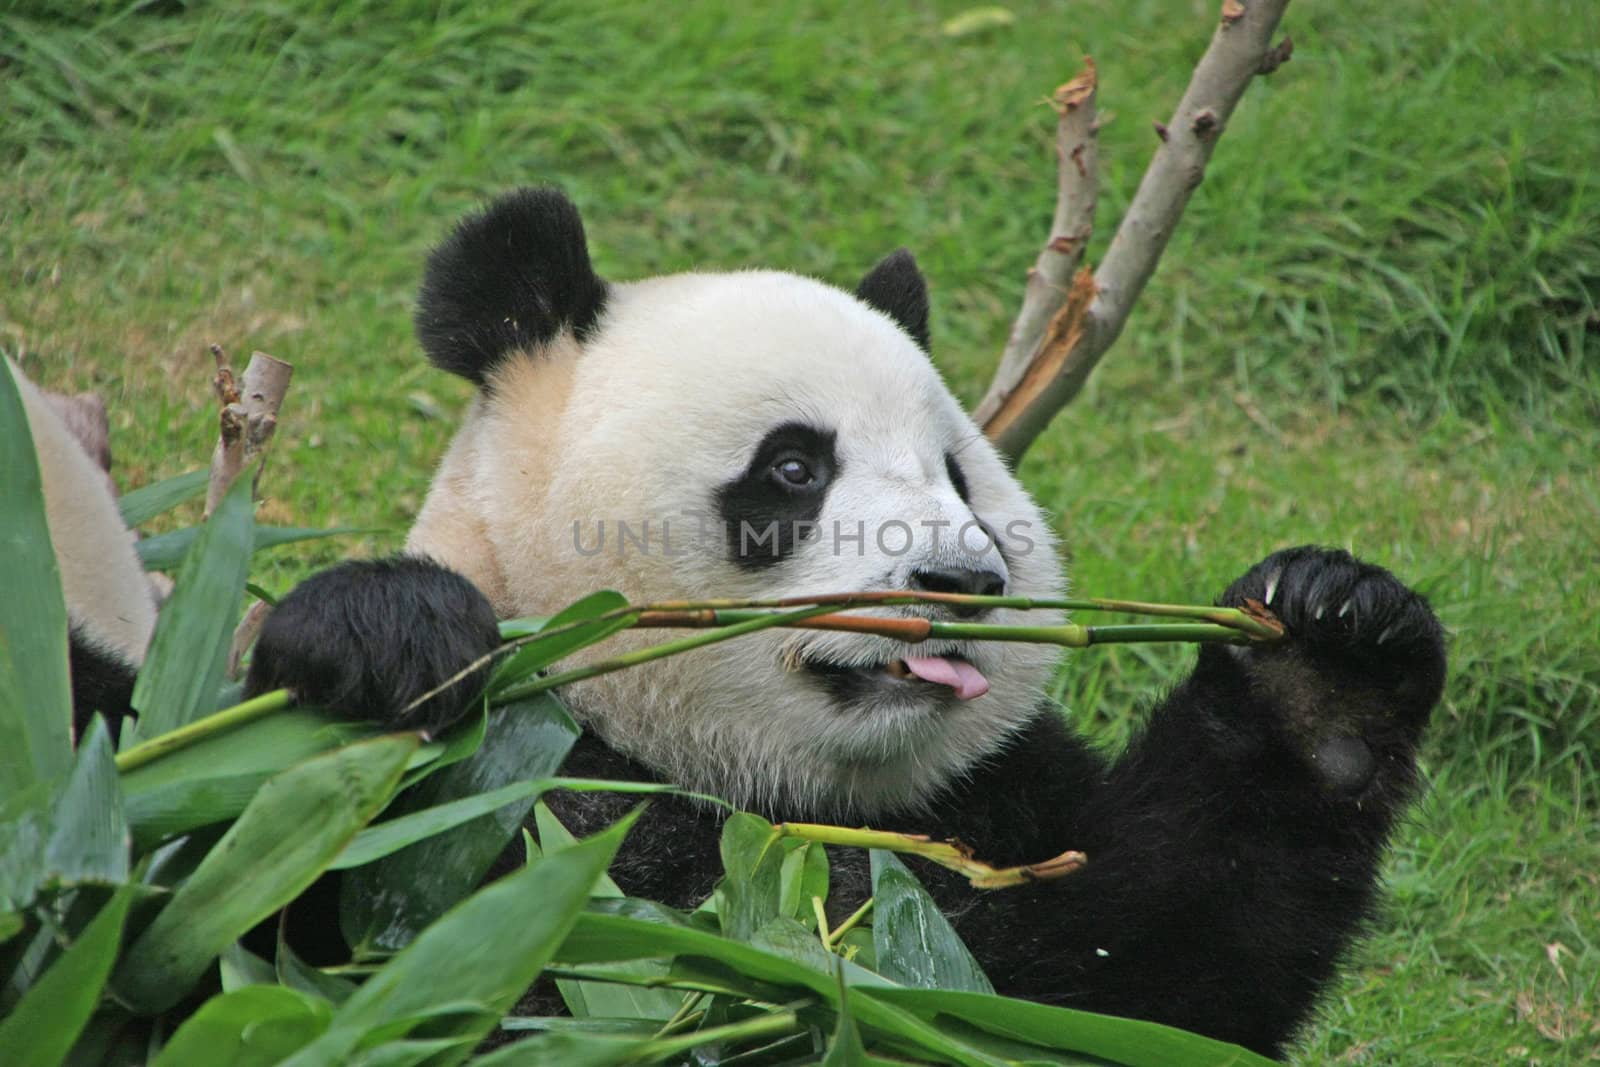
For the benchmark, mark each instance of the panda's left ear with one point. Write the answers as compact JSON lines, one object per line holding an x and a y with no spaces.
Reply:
{"x":896,"y":288}
{"x":509,"y":279}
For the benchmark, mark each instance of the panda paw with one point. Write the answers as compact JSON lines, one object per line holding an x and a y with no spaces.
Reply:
{"x":370,"y":639}
{"x":1360,"y":670}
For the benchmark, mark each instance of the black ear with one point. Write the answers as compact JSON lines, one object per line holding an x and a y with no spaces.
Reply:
{"x":896,"y":288}
{"x":511,"y":277}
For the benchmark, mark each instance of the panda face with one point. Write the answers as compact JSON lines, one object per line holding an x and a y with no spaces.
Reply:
{"x":752,"y":435}
{"x":756,"y":435}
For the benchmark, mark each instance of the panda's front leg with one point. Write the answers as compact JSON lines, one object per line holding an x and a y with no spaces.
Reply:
{"x":1234,"y":849}
{"x":385,"y":640}
{"x":1349,"y":692}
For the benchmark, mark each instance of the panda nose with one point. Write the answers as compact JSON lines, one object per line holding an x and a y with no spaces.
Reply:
{"x":959,"y":580}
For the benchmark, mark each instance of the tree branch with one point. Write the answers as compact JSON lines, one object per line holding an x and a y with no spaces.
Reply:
{"x":246,"y":423}
{"x":1087,"y":318}
{"x":1077,"y":186}
{"x":248,"y":418}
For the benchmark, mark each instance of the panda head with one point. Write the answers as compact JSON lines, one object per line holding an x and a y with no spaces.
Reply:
{"x":751,"y":434}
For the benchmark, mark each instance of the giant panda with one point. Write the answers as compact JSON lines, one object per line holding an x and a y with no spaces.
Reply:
{"x":111,"y":603}
{"x":799,"y":431}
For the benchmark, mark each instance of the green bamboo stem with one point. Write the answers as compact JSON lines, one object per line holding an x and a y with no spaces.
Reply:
{"x":836,"y":935}
{"x":916,"y":630}
{"x":1070,"y":635}
{"x":821,"y":914}
{"x":772,"y":1024}
{"x":220,"y":722}
{"x":761,"y":621}
{"x":725,"y":619}
{"x":1233,"y":618}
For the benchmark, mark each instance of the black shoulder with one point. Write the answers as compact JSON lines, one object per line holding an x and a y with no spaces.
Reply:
{"x":897,"y":288}
{"x":509,"y":278}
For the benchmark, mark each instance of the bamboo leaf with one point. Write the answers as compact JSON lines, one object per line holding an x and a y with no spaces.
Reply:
{"x":787,"y":937}
{"x":41,"y":1029}
{"x":603,"y":937}
{"x":541,"y":652}
{"x":288,"y":835}
{"x":605,"y":1000}
{"x":143,"y":504}
{"x":576,"y":1049}
{"x":183,"y":668}
{"x":804,"y":876}
{"x":749,"y":895}
{"x":707,"y":961}
{"x":391,"y":836}
{"x":410,"y":1052}
{"x":845,"y":1049}
{"x":215,"y":778}
{"x":166,"y":551}
{"x":1132,"y":1042}
{"x":238,"y":967}
{"x":89,"y":841}
{"x":486,"y":950}
{"x":296,"y":973}
{"x":25,"y":821}
{"x":35,"y":692}
{"x":914,"y":943}
{"x":908,"y":1028}
{"x":384,"y":905}
{"x":566,"y":1049}
{"x":460,"y":742}
{"x":255,"y":1026}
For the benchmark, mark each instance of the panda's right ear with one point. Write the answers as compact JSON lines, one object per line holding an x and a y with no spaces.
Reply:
{"x":510,"y":278}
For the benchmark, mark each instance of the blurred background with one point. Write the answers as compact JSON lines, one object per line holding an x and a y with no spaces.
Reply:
{"x":1378,"y":326}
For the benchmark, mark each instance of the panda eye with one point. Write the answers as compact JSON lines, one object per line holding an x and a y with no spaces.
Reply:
{"x":793,"y":472}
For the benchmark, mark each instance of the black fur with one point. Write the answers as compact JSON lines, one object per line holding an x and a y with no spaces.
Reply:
{"x":958,"y":480}
{"x":510,"y":278}
{"x":102,"y":681}
{"x":896,"y":288}
{"x":765,"y":517}
{"x":369,"y":637}
{"x":1227,"y":872}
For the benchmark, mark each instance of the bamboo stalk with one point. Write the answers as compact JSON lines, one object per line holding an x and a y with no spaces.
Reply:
{"x":634,"y":658}
{"x":917,"y":630}
{"x":725,"y":619}
{"x":220,"y":722}
{"x":837,"y":934}
{"x":953,"y":855}
{"x":1254,"y":618}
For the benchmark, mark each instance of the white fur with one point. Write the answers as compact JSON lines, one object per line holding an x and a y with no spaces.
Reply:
{"x":109,"y":598}
{"x":666,"y":403}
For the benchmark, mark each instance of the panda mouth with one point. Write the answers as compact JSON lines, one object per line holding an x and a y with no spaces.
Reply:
{"x":953,"y":672}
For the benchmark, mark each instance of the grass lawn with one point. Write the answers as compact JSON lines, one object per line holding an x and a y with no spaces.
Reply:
{"x":1378,"y":327}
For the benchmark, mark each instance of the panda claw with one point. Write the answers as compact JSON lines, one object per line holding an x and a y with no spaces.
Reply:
{"x":1319,"y":611}
{"x":1344,"y":609}
{"x":1272,"y":585}
{"x":1388,"y":631}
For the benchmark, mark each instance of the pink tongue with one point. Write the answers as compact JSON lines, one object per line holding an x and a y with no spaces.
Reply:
{"x":958,"y":674}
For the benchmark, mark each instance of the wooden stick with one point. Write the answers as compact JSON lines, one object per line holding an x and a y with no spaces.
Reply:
{"x":246,"y":423}
{"x":1092,"y":312}
{"x":248,"y":417}
{"x":1051,"y":277}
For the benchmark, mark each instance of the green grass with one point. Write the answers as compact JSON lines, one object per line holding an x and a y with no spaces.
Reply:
{"x":1379,"y":326}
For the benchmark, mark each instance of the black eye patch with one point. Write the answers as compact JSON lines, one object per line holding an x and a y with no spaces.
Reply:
{"x":766,"y":510}
{"x":952,"y":470}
